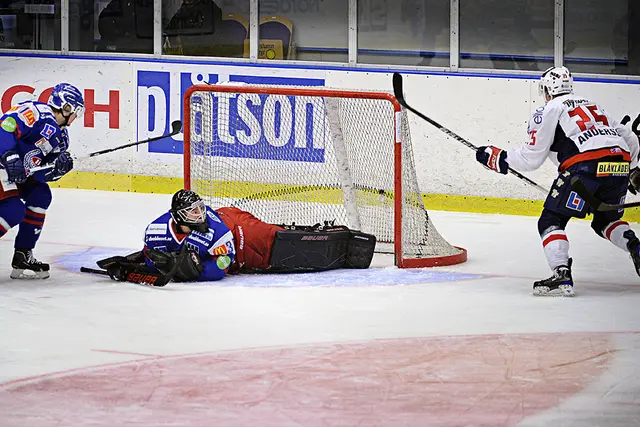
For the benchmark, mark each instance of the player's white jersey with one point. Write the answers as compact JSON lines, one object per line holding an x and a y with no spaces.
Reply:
{"x":572,"y":129}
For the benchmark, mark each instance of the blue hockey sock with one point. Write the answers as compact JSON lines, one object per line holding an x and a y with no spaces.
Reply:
{"x":30,"y":227}
{"x":11,"y":213}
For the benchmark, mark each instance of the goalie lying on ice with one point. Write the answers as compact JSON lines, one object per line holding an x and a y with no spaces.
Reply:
{"x":193,"y":242}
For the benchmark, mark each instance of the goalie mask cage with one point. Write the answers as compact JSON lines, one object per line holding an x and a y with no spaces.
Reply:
{"x":308,"y":155}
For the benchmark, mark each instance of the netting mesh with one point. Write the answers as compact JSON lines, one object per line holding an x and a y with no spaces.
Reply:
{"x":306,"y":159}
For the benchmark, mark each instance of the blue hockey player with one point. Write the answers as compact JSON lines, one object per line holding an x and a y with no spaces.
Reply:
{"x":33,"y":134}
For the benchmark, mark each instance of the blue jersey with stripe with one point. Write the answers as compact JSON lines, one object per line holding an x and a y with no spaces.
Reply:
{"x":215,"y":248}
{"x":30,"y":129}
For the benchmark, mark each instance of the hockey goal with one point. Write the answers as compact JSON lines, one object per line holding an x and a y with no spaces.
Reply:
{"x":306,"y":155}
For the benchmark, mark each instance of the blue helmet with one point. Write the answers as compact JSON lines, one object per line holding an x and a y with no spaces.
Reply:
{"x":66,"y":97}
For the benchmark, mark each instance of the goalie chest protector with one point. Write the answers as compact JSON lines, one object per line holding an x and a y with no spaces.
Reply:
{"x":327,"y":249}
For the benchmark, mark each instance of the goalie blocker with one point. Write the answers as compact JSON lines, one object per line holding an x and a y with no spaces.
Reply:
{"x":298,"y":249}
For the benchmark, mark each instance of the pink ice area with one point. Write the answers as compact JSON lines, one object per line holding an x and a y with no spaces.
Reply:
{"x":445,"y":381}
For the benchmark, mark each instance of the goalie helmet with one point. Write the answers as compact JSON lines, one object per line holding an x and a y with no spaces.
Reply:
{"x":66,"y":98}
{"x":556,"y":81}
{"x":188,"y":209}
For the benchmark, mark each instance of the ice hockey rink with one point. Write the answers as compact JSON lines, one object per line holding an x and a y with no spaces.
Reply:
{"x":466,"y":345}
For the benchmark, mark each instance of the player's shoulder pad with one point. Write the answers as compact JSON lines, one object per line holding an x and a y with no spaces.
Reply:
{"x":550,"y":111}
{"x":33,"y":114}
{"x":212,"y":215}
{"x":537,"y":117}
{"x":159,"y":227}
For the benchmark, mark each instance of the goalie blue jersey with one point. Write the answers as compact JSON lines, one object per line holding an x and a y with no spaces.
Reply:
{"x":215,"y":248}
{"x":30,"y":129}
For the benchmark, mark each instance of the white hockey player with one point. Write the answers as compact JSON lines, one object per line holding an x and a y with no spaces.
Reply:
{"x":584,"y":141}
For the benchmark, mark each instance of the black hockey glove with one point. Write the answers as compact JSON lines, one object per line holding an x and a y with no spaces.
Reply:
{"x":62,"y":165}
{"x":493,"y":158}
{"x":14,"y":166}
{"x":189,"y":267}
{"x":163,"y":261}
{"x":119,"y":270}
{"x":634,"y":180}
{"x":184,"y":266}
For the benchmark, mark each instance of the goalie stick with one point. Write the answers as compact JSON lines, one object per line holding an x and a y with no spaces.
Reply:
{"x":94,"y":271}
{"x":579,"y":187}
{"x":399,"y":94}
{"x":176,"y":127}
{"x":156,"y":280}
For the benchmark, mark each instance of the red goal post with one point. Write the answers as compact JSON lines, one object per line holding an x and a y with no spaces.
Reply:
{"x":304,"y":155}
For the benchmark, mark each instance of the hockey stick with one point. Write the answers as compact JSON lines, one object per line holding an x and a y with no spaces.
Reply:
{"x":399,"y":94}
{"x":597,"y":205}
{"x":156,"y":280}
{"x":94,"y":271}
{"x":176,"y":127}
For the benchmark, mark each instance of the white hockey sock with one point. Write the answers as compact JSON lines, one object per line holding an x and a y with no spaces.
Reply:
{"x":614,"y":231}
{"x":556,"y":248}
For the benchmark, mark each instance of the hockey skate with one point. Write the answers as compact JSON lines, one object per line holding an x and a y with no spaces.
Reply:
{"x":633,"y":245}
{"x":25,"y":266}
{"x":558,"y":285}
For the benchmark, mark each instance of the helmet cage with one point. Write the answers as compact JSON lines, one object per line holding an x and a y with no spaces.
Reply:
{"x":67,"y":99}
{"x":192,"y":215}
{"x":78,"y":110}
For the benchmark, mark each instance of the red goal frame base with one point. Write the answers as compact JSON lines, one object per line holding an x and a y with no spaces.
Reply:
{"x":434,"y":262}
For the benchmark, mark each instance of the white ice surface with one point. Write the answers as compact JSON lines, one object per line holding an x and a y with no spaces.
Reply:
{"x":60,"y":324}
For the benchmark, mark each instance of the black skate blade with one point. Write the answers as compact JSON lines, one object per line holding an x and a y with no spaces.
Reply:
{"x":19,"y":274}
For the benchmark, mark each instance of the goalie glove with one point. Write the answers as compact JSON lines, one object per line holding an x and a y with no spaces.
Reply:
{"x":493,"y":158}
{"x":185,"y":266}
{"x":189,"y":267}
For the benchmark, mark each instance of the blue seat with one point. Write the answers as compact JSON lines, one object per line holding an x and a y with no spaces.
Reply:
{"x":230,"y":39}
{"x":277,"y":28}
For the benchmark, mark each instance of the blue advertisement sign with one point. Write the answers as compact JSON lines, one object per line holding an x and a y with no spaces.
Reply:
{"x":255,"y":126}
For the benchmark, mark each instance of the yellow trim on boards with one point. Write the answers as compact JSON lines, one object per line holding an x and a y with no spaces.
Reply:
{"x":169,"y":185}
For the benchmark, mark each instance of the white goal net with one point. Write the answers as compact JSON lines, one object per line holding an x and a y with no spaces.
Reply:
{"x":309,"y":155}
